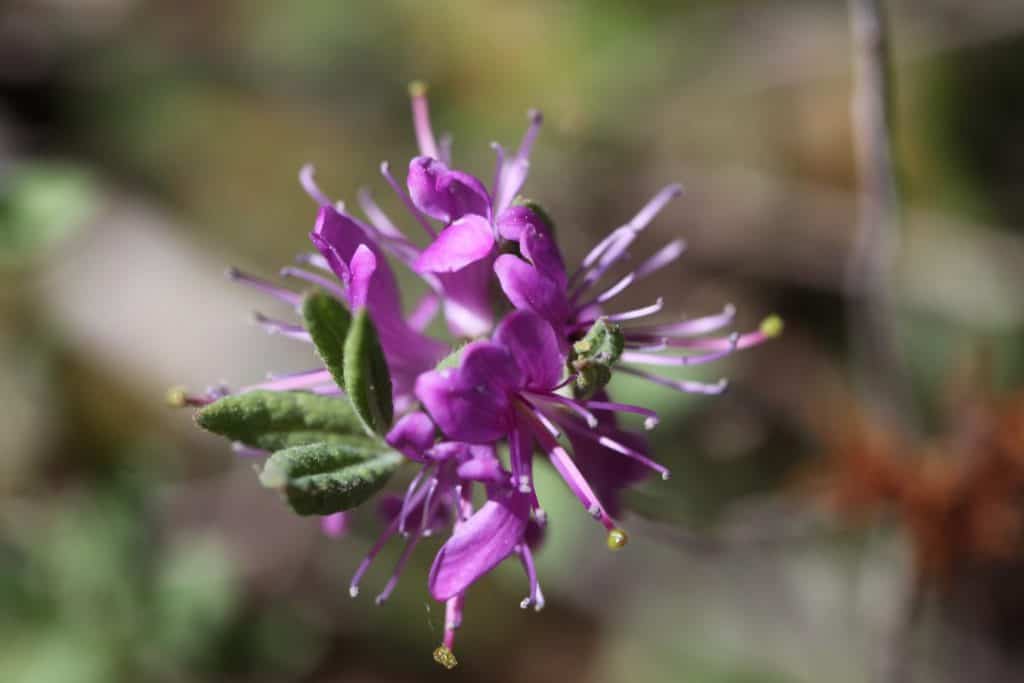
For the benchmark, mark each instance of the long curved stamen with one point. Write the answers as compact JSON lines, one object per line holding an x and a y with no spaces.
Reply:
{"x":391,"y":238}
{"x":635,"y":313}
{"x":649,"y":346}
{"x":411,"y":496}
{"x":292,"y":382}
{"x":567,"y":469}
{"x":689,"y":328}
{"x":314,"y":259}
{"x":385,"y":170}
{"x":444,"y":146}
{"x":618,"y":447}
{"x":651,"y":359}
{"x":607,"y":294}
{"x":403,"y":559}
{"x":664,"y":256}
{"x":650,"y":417}
{"x":614,"y":247}
{"x":661,"y":258}
{"x":280,"y":293}
{"x":353,"y":587}
{"x":568,"y":403}
{"x":684,"y":385}
{"x":314,"y":279}
{"x":499,"y":168}
{"x":421,"y":120}
{"x":520,"y":458}
{"x":378,"y":219}
{"x":273,"y":326}
{"x":515,"y":170}
{"x":536,"y":597}
{"x":308,"y":182}
{"x":770,"y":328}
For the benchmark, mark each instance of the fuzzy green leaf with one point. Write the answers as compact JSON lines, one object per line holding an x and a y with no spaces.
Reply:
{"x":324,"y":478}
{"x":593,"y":356}
{"x":367,"y":379}
{"x":273,"y":420}
{"x":328,"y":323}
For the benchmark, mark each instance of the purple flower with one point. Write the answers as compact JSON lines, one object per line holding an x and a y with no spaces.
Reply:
{"x":507,"y":388}
{"x":461,"y":217}
{"x":526,"y":382}
{"x":363,"y":278}
{"x":441,"y":494}
{"x":538,"y":282}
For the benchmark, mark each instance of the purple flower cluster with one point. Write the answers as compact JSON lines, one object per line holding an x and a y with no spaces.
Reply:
{"x":475,"y":414}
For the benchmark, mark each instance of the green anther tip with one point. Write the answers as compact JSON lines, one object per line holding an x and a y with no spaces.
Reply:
{"x":772,"y":326}
{"x":617,"y":539}
{"x":445,"y":657}
{"x":417,"y":89}
{"x":176,"y":397}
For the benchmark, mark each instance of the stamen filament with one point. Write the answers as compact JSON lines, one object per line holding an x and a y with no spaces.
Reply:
{"x":313,"y":278}
{"x":421,"y":120}
{"x":650,"y":422}
{"x":280,"y":293}
{"x":308,"y":182}
{"x":385,"y":170}
{"x":684,"y":385}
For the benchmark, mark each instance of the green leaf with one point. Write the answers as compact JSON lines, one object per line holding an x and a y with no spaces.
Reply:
{"x":324,"y":478}
{"x":594,"y":355}
{"x":367,"y":380}
{"x":328,"y":323}
{"x":279,"y":419}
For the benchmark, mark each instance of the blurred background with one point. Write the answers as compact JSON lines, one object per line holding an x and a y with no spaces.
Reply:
{"x":147,"y":144}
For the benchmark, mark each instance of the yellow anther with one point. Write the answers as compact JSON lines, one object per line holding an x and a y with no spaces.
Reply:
{"x":417,"y":89}
{"x":445,"y":657}
{"x":176,"y":397}
{"x":617,"y":539}
{"x":772,"y":326}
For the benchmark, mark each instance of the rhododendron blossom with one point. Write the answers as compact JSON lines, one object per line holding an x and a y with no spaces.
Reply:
{"x":521,"y":378}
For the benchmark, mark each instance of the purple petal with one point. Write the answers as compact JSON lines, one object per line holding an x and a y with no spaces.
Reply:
{"x":444,"y":194}
{"x":449,"y":449}
{"x":471,"y":403}
{"x":515,"y":219}
{"x":468,"y":195}
{"x":337,"y":236}
{"x":468,"y":308}
{"x":361,"y":269}
{"x":530,"y":290}
{"x":535,"y":348}
{"x":424,"y":173}
{"x":412,"y":435}
{"x":465,"y":241}
{"x":483,"y":469}
{"x":479,"y":545}
{"x":540,"y":248}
